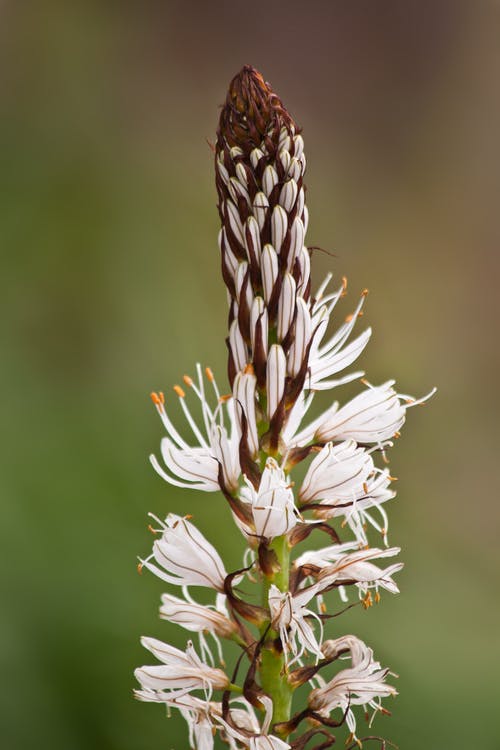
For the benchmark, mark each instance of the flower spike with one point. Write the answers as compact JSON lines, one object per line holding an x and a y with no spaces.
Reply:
{"x":247,"y":441}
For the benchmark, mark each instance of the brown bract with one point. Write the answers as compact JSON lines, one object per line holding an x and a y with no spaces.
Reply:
{"x":252,"y":113}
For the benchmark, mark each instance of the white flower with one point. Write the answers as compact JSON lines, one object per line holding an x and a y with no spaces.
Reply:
{"x":273,"y":506}
{"x":361,"y":684}
{"x":328,"y":358}
{"x":197,"y":618}
{"x":338,"y":568}
{"x":288,"y":618}
{"x":337,"y":474}
{"x":344,"y":479}
{"x":197,"y":467}
{"x":179,"y":673}
{"x":184,"y":557}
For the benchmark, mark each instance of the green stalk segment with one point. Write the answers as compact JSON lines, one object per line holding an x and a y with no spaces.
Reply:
{"x":272,"y":669}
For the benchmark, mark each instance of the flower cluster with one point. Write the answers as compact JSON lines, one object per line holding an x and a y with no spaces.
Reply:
{"x":246,"y":446}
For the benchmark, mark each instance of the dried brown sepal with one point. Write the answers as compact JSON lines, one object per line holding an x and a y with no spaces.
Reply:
{"x":302,"y":741}
{"x":250,"y":612}
{"x":268,"y":560}
{"x":239,"y":509}
{"x":301,"y":531}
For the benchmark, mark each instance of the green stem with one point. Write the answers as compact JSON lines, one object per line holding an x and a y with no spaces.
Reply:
{"x":273,"y":667}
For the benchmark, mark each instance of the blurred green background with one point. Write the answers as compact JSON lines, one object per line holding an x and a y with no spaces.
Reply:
{"x":111,"y":288}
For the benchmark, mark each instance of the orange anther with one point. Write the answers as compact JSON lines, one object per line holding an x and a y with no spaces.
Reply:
{"x":365,"y":488}
{"x":249,"y":369}
{"x":360,"y":314}
{"x":188,"y":381}
{"x":225,"y":397}
{"x":397,"y":435}
{"x":322,"y":607}
{"x":179,"y":391}
{"x":158,"y":399}
{"x":139,"y":568}
{"x":188,"y":517}
{"x":392,"y":479}
{"x":150,"y":528}
{"x":367,"y":601}
{"x":349,"y":318}
{"x":209,"y":374}
{"x":377,"y":597}
{"x":364,"y":292}
{"x":344,"y":282}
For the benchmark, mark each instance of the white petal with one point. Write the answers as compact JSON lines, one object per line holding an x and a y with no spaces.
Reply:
{"x":260,"y":207}
{"x":269,"y":179}
{"x":286,"y":305}
{"x":269,"y":270}
{"x":288,"y":194}
{"x":297,"y":235}
{"x":279,"y":224}
{"x":238,"y":347}
{"x":275,"y":380}
{"x":302,"y":336}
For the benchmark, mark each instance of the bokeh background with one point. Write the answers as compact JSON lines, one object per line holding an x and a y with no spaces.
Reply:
{"x":111,"y":288}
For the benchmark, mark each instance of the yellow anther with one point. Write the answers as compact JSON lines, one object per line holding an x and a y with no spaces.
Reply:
{"x":322,"y":607}
{"x":209,"y":373}
{"x":179,"y":391}
{"x":188,"y":381}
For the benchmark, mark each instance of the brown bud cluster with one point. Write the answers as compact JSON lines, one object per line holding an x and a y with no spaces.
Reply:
{"x":259,"y":165}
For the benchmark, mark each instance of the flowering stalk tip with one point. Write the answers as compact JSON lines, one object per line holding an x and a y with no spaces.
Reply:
{"x":282,"y":353}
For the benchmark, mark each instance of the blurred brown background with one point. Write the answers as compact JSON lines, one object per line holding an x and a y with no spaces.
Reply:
{"x":111,"y":288}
